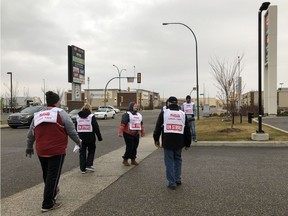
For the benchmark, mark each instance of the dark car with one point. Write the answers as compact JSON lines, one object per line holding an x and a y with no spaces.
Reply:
{"x":24,"y":117}
{"x":73,"y":114}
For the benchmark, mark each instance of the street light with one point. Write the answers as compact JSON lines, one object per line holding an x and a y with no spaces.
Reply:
{"x":263,"y":7}
{"x":88,"y":80}
{"x":197,"y":86}
{"x":194,"y":88}
{"x":44,"y":91}
{"x":10,"y":73}
{"x":119,"y":73}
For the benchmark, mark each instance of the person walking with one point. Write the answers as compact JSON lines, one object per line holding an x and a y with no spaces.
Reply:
{"x":87,"y":127}
{"x":176,"y":134}
{"x":50,"y":129}
{"x":131,"y":127}
{"x":190,"y":109}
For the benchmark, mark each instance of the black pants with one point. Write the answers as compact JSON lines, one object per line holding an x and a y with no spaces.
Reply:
{"x":87,"y":159}
{"x":132,"y":143}
{"x":51,"y":168}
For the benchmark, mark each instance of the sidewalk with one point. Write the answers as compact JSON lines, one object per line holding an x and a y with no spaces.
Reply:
{"x":76,"y":189}
{"x":208,"y":184}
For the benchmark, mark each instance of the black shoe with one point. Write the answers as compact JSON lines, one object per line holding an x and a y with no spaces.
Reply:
{"x":55,"y":206}
{"x":178,"y":182}
{"x":172,"y":187}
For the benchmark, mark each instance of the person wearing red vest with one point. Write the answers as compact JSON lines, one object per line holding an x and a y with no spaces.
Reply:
{"x":174,"y":127}
{"x":131,"y":128}
{"x":50,"y":129}
{"x":87,"y":127}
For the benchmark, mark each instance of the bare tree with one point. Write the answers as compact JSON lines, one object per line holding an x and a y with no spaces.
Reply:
{"x":225,"y":74}
{"x":26,"y":92}
{"x":60,"y":92}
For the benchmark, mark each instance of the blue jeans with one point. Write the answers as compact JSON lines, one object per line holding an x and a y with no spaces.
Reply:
{"x":173,"y":163}
{"x":193,"y":130}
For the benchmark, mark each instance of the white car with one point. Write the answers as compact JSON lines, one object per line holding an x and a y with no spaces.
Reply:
{"x":111,"y":107}
{"x":104,"y":113}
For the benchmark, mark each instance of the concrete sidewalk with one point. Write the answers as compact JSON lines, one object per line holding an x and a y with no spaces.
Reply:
{"x":80,"y":193}
{"x":75,"y":188}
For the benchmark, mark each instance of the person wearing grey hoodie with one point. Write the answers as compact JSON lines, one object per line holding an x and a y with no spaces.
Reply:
{"x":50,"y":129}
{"x":131,"y":127}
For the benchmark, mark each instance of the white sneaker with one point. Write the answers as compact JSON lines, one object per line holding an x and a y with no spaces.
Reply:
{"x":90,"y":169}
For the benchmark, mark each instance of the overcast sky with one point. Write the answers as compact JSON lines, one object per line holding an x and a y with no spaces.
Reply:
{"x":35,"y":35}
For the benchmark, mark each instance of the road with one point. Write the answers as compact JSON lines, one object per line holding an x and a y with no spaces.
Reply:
{"x":222,"y":180}
{"x":19,"y":172}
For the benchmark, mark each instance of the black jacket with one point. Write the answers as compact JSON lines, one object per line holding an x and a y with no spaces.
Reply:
{"x":89,"y":137}
{"x":172,"y":141}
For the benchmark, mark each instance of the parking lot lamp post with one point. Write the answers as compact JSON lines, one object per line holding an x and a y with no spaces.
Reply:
{"x":197,"y":86}
{"x":194,"y":88}
{"x":10,"y":73}
{"x":263,"y":7}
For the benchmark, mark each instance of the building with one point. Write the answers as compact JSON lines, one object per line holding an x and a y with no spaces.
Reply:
{"x":251,"y":99}
{"x":121,"y":99}
{"x":282,"y":98}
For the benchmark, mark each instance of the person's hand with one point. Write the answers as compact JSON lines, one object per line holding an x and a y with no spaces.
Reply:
{"x":186,"y":148}
{"x":157,"y":144}
{"x":100,"y":139}
{"x":142,"y":134}
{"x":29,"y":152}
{"x":120,"y":134}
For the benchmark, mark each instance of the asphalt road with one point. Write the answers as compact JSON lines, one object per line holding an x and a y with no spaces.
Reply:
{"x":216,"y":181}
{"x":221,"y":180}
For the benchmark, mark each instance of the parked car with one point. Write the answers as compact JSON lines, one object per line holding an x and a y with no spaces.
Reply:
{"x":104,"y":113}
{"x":24,"y":117}
{"x":73,"y":114}
{"x":111,"y":107}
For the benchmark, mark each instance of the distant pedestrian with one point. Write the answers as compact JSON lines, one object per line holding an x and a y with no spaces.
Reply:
{"x":131,"y":128}
{"x":50,"y":129}
{"x":87,"y":127}
{"x":190,"y":109}
{"x":176,"y":134}
{"x":166,"y":105}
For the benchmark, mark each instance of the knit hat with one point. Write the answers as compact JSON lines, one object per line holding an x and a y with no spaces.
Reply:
{"x":173,"y":99}
{"x":52,"y":98}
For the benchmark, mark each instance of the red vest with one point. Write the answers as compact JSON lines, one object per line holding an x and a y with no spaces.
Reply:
{"x":51,"y":138}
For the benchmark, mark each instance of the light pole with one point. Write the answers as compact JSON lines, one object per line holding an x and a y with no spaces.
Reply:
{"x":44,"y":91}
{"x":119,"y":73}
{"x":263,"y":7}
{"x":194,"y":88}
{"x":197,"y":86}
{"x":88,"y":80}
{"x":10,"y":73}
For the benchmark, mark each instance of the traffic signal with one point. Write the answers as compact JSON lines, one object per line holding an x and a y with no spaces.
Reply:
{"x":138,"y":77}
